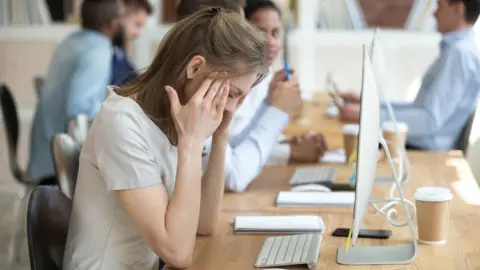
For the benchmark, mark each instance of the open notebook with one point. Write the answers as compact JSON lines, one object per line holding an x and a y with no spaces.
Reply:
{"x":290,"y":198}
{"x":278,"y":224}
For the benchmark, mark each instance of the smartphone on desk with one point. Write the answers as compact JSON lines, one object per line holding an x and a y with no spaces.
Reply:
{"x":338,"y":187}
{"x":372,"y":234}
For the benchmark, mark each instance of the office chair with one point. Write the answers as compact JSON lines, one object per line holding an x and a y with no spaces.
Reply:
{"x":48,"y":215}
{"x":12,"y":132}
{"x":66,"y":154}
{"x":462,"y":142}
{"x":77,"y":128}
{"x":38,"y":83}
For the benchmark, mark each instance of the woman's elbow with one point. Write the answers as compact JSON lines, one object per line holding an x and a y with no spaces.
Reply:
{"x":206,"y":230}
{"x":180,"y":259}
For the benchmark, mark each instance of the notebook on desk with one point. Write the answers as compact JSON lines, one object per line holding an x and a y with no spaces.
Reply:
{"x":296,"y":224}
{"x":299,"y":199}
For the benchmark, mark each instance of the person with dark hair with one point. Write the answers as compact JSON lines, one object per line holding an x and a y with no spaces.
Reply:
{"x":449,"y":91}
{"x":75,"y":84}
{"x":186,"y":7}
{"x":136,"y":13}
{"x":258,"y":124}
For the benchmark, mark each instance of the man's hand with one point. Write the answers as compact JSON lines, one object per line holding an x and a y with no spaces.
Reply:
{"x":350,"y":112}
{"x":308,"y":147}
{"x":351,"y":97}
{"x":285,"y":95}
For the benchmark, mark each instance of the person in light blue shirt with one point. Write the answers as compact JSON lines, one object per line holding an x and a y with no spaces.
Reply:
{"x":76,"y":82}
{"x":450,"y":88}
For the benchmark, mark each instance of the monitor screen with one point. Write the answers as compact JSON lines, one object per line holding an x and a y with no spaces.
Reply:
{"x":367,"y":149}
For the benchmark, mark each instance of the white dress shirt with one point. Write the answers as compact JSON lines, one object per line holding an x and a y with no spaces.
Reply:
{"x":254,"y":134}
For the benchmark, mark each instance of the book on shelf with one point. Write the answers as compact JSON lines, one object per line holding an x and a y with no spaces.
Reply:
{"x":340,"y":14}
{"x":24,"y":12}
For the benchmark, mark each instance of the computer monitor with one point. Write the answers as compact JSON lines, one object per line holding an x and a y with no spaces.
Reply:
{"x":367,"y":155}
{"x":367,"y":148}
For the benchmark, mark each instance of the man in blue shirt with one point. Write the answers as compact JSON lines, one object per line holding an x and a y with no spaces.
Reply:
{"x":450,"y":88}
{"x":136,"y":13}
{"x":76,"y":82}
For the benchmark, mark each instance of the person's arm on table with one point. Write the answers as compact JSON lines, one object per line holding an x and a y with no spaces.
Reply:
{"x":213,"y":179}
{"x":306,"y":148}
{"x":87,"y":89}
{"x":169,"y":227}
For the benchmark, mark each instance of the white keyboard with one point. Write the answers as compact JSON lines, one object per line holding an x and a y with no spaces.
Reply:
{"x":312,"y":175}
{"x":302,"y":249}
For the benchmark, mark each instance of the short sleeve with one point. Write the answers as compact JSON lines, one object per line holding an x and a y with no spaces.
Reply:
{"x":123,"y":155}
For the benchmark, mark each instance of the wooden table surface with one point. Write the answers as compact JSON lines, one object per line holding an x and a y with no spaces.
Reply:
{"x":225,"y":250}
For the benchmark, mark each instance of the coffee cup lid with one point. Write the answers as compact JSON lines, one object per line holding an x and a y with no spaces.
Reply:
{"x":433,"y":194}
{"x":351,"y":129}
{"x":390,"y":126}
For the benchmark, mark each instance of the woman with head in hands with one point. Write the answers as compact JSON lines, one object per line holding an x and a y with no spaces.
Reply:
{"x":140,"y":192}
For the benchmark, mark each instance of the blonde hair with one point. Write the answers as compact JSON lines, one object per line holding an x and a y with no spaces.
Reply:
{"x":225,"y":39}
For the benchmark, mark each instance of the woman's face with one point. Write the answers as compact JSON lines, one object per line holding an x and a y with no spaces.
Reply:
{"x":268,"y":20}
{"x":197,"y":72}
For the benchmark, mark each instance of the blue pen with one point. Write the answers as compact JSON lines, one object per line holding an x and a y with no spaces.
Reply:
{"x":288,"y":72}
{"x":352,"y":179}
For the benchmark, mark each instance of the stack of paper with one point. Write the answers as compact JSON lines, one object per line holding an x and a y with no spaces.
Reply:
{"x":303,"y":198}
{"x":334,"y":156}
{"x":278,"y":224}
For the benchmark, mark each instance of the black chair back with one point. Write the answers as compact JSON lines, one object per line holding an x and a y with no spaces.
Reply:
{"x":12,"y":129}
{"x":48,"y":216}
{"x":463,"y":139}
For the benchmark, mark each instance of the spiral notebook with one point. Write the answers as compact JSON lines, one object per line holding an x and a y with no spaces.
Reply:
{"x":296,"y":224}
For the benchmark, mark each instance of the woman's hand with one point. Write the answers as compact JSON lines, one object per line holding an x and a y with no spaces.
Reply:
{"x":223,"y":128}
{"x":308,"y":147}
{"x":203,"y":113}
{"x":285,"y":94}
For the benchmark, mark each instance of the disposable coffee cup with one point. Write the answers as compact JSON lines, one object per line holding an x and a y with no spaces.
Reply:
{"x":350,"y":139}
{"x":433,"y":211}
{"x":389,"y":134}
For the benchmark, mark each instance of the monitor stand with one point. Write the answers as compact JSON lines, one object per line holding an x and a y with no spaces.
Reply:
{"x":383,"y":255}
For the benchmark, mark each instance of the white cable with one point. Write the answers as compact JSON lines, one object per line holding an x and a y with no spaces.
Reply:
{"x":401,"y":174}
{"x":388,"y":211}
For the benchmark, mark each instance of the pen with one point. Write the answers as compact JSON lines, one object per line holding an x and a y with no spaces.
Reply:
{"x":287,"y":70}
{"x":348,"y":241}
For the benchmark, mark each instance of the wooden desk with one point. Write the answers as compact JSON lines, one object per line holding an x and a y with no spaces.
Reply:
{"x":462,"y":251}
{"x":225,"y":250}
{"x":228,"y":251}
{"x":428,"y":169}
